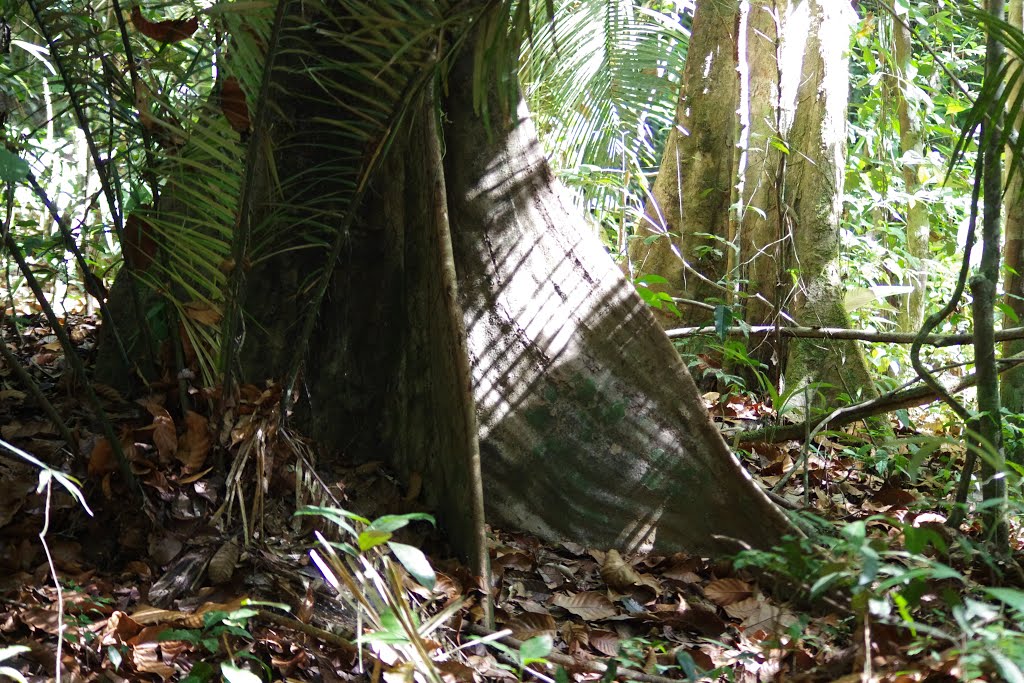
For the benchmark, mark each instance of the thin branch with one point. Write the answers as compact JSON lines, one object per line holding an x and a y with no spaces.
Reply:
{"x":886,"y":403}
{"x":1008,"y":334}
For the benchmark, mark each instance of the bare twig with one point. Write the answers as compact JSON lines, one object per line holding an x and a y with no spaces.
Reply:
{"x":1008,"y":334}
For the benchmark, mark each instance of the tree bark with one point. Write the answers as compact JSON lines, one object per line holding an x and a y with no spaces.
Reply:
{"x":912,"y":305}
{"x":687,"y":219}
{"x":765,"y":124}
{"x":1012,"y":383}
{"x":814,"y":195}
{"x":591,"y":430}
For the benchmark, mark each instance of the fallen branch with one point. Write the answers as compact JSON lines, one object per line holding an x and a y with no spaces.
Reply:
{"x":1008,"y":334}
{"x":886,"y":403}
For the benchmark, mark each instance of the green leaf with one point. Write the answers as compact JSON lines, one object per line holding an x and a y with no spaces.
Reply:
{"x":535,"y":650}
{"x":1011,"y":596}
{"x":415,"y":562}
{"x":651,"y":279}
{"x":396,"y":522}
{"x":232,"y":674}
{"x":12,"y":167}
{"x":723,"y":320}
{"x":372,"y":538}
{"x":390,"y":630}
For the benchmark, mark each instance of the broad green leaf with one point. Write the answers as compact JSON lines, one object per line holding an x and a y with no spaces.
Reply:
{"x":723,"y":320}
{"x":396,"y":522}
{"x":372,"y":538}
{"x":535,"y":650}
{"x":415,"y":562}
{"x":1011,"y":596}
{"x":12,"y":167}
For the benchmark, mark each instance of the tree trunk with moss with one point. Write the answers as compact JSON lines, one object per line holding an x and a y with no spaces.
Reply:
{"x":814,"y":183}
{"x":763,"y":252}
{"x":686,"y":233}
{"x":911,"y":120}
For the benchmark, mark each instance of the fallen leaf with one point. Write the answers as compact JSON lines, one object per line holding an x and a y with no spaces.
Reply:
{"x":233,"y":104}
{"x":618,"y":573}
{"x":588,"y":605}
{"x":727,"y":591}
{"x":194,"y":445}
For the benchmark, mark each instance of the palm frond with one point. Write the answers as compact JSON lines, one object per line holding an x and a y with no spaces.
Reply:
{"x":603,"y":81}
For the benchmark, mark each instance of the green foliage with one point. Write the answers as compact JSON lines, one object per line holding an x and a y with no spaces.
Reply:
{"x":602,"y":81}
{"x":362,"y":568}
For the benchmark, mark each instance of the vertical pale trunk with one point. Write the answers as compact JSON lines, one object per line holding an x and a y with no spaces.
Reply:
{"x":814,"y":196}
{"x":764,"y":124}
{"x":913,"y":304}
{"x":689,"y":208}
{"x":1012,"y":382}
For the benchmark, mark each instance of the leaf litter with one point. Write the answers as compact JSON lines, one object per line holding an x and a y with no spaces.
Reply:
{"x":140,"y":601}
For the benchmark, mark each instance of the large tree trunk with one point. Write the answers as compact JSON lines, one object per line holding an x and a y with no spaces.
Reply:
{"x":591,"y":429}
{"x":814,"y":195}
{"x":763,"y":250}
{"x":689,"y":207}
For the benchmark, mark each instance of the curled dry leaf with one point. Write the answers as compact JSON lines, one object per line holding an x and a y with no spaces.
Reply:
{"x":727,"y":591}
{"x":101,"y":459}
{"x":530,"y":625}
{"x":194,"y":444}
{"x":171,"y":31}
{"x":618,"y":573}
{"x":589,"y":605}
{"x":222,"y":564}
{"x":203,"y":313}
{"x":165,"y":437}
{"x":743,"y":608}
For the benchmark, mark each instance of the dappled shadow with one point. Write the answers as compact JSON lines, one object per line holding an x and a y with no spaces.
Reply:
{"x":591,"y":428}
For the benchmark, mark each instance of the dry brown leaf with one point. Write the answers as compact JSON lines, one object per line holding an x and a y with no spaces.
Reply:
{"x":727,"y":591}
{"x":589,"y":605}
{"x":194,"y":444}
{"x":170,"y":31}
{"x":743,"y":608}
{"x":222,"y":564}
{"x":165,"y":437}
{"x":101,"y":459}
{"x":605,"y":642}
{"x":203,"y":313}
{"x":530,"y":625}
{"x":618,"y":573}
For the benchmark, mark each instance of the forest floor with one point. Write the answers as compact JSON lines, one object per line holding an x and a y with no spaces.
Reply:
{"x":209,"y":574}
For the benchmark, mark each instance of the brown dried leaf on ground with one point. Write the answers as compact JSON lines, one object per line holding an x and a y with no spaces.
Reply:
{"x":589,"y":605}
{"x":618,"y":573}
{"x":531,"y":625}
{"x":727,"y":591}
{"x":194,"y":445}
{"x":165,"y":437}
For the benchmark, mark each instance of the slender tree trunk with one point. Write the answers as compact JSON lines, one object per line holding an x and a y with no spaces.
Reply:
{"x":814,"y":196}
{"x":1012,"y":382}
{"x":764,"y":125}
{"x":690,"y":205}
{"x":913,"y":304}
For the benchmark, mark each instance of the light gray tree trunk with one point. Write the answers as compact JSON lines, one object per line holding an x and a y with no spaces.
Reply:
{"x":764,"y":125}
{"x":814,"y":184}
{"x":690,"y":205}
{"x":909,"y":103}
